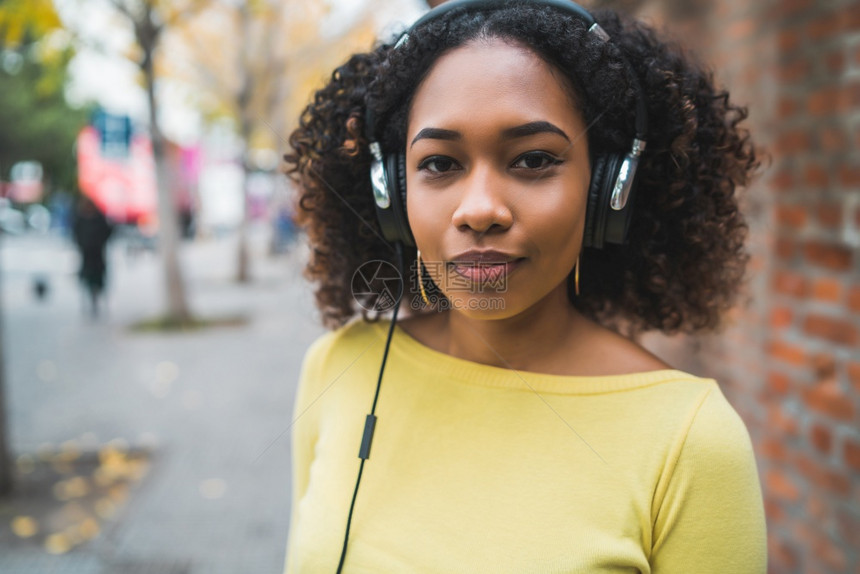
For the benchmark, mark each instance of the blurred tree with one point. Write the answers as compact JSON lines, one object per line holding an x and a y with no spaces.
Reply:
{"x":26,"y":18}
{"x":149,"y":20}
{"x":37,"y":122}
{"x":264,"y":74}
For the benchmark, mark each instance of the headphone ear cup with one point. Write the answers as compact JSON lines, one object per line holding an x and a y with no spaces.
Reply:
{"x":602,"y":223}
{"x":398,"y":222}
{"x":400,"y":180}
{"x":598,"y":202}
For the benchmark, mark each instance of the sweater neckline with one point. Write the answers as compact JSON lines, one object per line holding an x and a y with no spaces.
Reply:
{"x":425,"y":358}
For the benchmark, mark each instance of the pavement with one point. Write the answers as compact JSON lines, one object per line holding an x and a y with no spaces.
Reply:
{"x":169,"y":451}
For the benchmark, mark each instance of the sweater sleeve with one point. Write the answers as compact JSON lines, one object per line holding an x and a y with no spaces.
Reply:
{"x":305,"y":430}
{"x":711,"y":516}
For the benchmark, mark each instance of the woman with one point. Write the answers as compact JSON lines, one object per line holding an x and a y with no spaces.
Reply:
{"x":91,"y":231}
{"x":518,"y":429}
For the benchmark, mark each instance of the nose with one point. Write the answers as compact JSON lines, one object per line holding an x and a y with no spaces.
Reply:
{"x":483,"y":205}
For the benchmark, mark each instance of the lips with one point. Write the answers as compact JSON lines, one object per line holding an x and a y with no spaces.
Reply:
{"x":490,"y":268}
{"x":488,"y":257}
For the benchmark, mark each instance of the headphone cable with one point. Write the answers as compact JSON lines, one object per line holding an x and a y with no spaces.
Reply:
{"x":370,"y":421}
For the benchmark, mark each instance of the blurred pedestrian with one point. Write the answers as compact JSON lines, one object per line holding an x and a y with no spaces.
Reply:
{"x":91,"y":231}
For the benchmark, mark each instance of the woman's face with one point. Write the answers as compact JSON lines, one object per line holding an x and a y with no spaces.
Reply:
{"x":497,"y":176}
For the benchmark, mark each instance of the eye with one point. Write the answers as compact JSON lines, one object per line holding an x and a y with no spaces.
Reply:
{"x":536,"y":160}
{"x":437,"y":164}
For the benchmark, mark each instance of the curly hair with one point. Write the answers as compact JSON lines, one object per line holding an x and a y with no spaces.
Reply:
{"x":685,"y":258}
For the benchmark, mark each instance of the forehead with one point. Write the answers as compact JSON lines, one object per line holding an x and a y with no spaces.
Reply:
{"x":491,"y":79}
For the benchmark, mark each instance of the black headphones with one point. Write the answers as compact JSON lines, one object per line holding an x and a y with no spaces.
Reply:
{"x":609,"y":209}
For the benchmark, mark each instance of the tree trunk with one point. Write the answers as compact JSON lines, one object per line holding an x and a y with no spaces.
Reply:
{"x":7,"y":477}
{"x":243,"y":272}
{"x":178,"y":312}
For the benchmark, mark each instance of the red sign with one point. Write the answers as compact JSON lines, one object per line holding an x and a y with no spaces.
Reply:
{"x":124,"y":189}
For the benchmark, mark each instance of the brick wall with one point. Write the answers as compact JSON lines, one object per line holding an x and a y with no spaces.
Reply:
{"x":789,"y":360}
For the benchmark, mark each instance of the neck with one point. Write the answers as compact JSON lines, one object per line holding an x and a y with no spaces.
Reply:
{"x":522,"y":342}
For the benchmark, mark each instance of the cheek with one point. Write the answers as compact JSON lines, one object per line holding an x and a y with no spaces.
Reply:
{"x":558,"y":223}
{"x":426,"y":219}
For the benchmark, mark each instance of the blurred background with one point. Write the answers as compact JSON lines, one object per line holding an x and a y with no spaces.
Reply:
{"x":153,"y":311}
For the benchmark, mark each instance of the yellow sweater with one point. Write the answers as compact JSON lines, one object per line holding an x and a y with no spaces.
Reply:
{"x":479,"y":469}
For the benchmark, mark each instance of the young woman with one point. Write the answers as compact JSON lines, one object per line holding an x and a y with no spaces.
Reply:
{"x":567,"y":181}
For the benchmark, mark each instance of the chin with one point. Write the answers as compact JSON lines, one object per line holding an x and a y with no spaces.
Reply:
{"x":485,"y":307}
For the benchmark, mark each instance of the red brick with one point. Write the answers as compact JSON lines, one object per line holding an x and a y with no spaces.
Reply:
{"x":823,"y":365}
{"x":830,"y":215}
{"x":783,"y":180}
{"x":789,"y":283}
{"x":792,"y":142}
{"x":791,"y":216}
{"x":816,"y":177}
{"x":780,"y":317}
{"x":774,"y":449}
{"x":751,"y":74}
{"x":817,"y":508}
{"x":779,"y":485}
{"x":824,"y":28}
{"x":853,"y":370}
{"x":851,"y":16}
{"x":821,"y":437}
{"x":835,"y":61}
{"x":849,"y":176}
{"x":741,"y":29}
{"x":851,"y":453}
{"x":824,"y":101}
{"x":854,"y":299}
{"x":781,"y":423}
{"x":786,"y":108}
{"x":826,"y":398}
{"x":782,"y":10}
{"x":788,"y":39}
{"x":783,"y":553}
{"x":832,"y":139}
{"x":778,"y":383}
{"x":828,"y":255}
{"x":785,"y":248}
{"x":773,"y":510}
{"x":848,"y":525}
{"x":835,"y":330}
{"x":793,"y":72}
{"x":850,"y":98}
{"x":788,"y":353}
{"x":830,"y":553}
{"x":827,"y":289}
{"x":822,"y":477}
{"x":756,"y":263}
{"x":842,"y":99}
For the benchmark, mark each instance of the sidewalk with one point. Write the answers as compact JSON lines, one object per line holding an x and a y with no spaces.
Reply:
{"x":211,"y":409}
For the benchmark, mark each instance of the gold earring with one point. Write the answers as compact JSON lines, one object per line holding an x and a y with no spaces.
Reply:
{"x":576,"y":277}
{"x":421,"y":280}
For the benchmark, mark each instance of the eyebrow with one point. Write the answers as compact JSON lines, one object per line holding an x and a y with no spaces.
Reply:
{"x":436,"y":134}
{"x":532,"y":128}
{"x":524,"y":130}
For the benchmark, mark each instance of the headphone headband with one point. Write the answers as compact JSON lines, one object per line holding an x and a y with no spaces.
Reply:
{"x":445,"y":7}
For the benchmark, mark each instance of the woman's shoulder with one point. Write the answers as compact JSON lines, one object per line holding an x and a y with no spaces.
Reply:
{"x":356,"y":334}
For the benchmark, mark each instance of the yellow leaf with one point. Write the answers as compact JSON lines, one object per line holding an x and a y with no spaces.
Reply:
{"x":24,"y":526}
